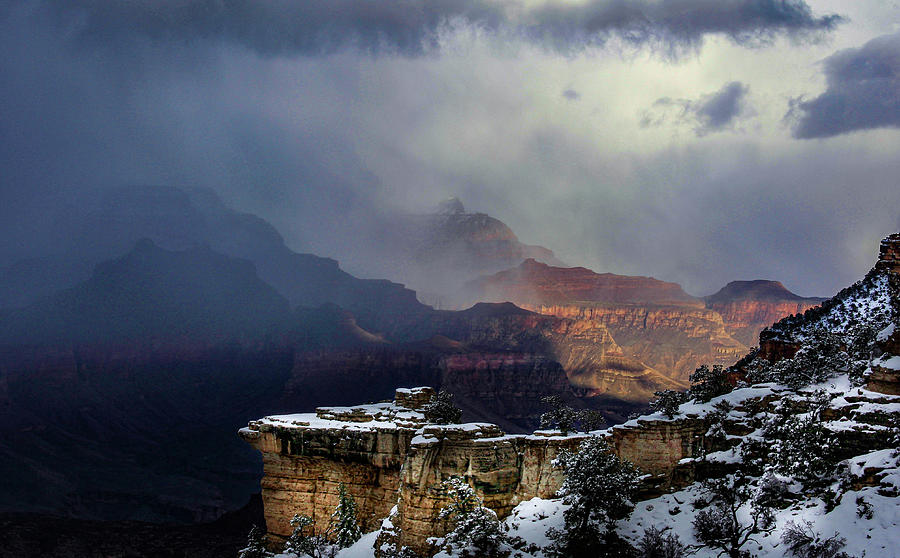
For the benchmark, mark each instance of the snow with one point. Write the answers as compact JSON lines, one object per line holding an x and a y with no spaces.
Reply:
{"x":363,"y":548}
{"x":888,"y":362}
{"x":868,"y":301}
{"x":881,"y":459}
{"x":312,"y":421}
{"x":674,"y":513}
{"x":885,"y":333}
{"x":382,"y":416}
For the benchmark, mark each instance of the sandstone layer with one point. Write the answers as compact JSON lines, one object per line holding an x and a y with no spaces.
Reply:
{"x":386,"y":455}
{"x":653,"y":329}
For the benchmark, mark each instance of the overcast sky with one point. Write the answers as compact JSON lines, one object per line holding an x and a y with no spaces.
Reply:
{"x":697,"y":141}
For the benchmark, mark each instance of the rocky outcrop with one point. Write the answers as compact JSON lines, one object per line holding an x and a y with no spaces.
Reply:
{"x":386,"y":456}
{"x":437,"y":252}
{"x":657,"y":448}
{"x":889,"y":254}
{"x":672,"y":341}
{"x":653,"y":329}
{"x":107,"y":223}
{"x":884,"y":373}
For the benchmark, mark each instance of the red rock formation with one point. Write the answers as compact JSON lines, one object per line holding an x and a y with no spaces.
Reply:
{"x":747,"y":307}
{"x":653,"y":325}
{"x":533,"y":283}
{"x":889,"y":254}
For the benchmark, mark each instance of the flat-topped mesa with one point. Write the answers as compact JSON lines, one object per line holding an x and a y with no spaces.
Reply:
{"x":535,"y":283}
{"x":307,"y":456}
{"x":388,"y":457}
{"x":747,"y":307}
{"x":889,"y":254}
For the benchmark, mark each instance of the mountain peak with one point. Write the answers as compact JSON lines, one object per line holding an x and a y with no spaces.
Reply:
{"x":450,"y":206}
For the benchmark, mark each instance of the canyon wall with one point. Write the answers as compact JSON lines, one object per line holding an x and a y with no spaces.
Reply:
{"x":386,"y":455}
{"x":670,"y":340}
{"x":647,"y":334}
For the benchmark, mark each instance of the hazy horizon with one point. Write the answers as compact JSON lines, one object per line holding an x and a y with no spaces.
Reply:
{"x":690,"y":141}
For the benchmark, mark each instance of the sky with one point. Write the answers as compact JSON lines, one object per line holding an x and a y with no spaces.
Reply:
{"x":696,"y":141}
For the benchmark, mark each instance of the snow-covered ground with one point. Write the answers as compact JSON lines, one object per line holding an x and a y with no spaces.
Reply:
{"x":878,"y":537}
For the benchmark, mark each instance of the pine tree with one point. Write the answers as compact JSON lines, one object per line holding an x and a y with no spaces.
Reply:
{"x":720,"y":524}
{"x":344,"y":523}
{"x":256,"y":545}
{"x":567,"y":419}
{"x":707,"y":383}
{"x":476,"y":532}
{"x":598,"y":489}
{"x":800,"y":446}
{"x":668,"y":401}
{"x":441,"y":410}
{"x":304,"y":541}
{"x":559,"y":416}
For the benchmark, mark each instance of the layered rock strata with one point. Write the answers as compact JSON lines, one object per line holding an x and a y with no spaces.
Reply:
{"x":654,"y":329}
{"x":889,"y":254}
{"x":672,"y":341}
{"x":883,"y":375}
{"x":386,"y":456}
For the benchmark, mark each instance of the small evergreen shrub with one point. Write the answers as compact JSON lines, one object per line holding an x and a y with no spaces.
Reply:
{"x":668,"y":401}
{"x":720,"y":525}
{"x":344,"y":524}
{"x":566,"y":419}
{"x":801,"y":541}
{"x":477,"y":532}
{"x":598,"y":488}
{"x":707,"y":383}
{"x":654,"y":544}
{"x":256,"y":545}
{"x":441,"y":410}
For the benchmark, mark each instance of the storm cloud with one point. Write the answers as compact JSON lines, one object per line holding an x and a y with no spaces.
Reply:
{"x":713,"y":112}
{"x":328,"y":118}
{"x":412,"y":27}
{"x":862,"y":92}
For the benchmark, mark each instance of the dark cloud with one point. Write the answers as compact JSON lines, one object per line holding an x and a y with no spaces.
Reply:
{"x":571,"y":95}
{"x":412,"y":26}
{"x":713,"y":112}
{"x":862,"y":92}
{"x":318,"y":145}
{"x":675,"y":24}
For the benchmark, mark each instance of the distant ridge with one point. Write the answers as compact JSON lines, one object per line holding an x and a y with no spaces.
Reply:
{"x":536,"y":283}
{"x":758,"y":289}
{"x":749,"y":306}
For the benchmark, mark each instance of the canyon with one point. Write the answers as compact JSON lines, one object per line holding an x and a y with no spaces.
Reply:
{"x":159,"y":307}
{"x":652,"y":325}
{"x":393,"y":461}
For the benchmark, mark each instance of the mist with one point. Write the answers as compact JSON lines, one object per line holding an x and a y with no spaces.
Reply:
{"x":529,"y":118}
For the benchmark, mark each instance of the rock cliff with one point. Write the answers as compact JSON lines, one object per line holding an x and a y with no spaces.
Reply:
{"x":387,"y":455}
{"x":437,"y":252}
{"x":653,"y":328}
